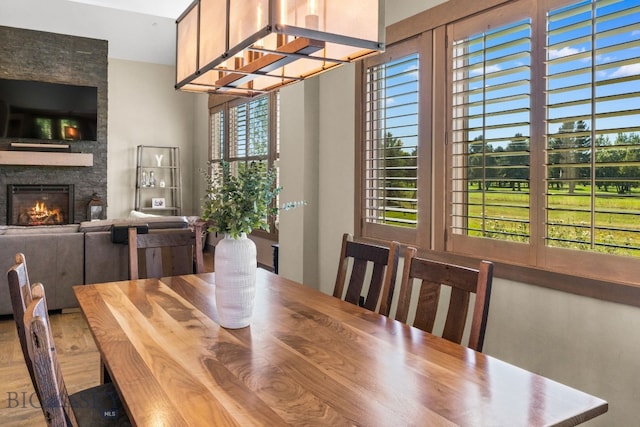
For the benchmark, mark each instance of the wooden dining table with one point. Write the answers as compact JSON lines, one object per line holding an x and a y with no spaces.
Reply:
{"x":306,"y":359}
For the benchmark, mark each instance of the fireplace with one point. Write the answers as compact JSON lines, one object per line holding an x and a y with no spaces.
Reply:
{"x":40,"y":204}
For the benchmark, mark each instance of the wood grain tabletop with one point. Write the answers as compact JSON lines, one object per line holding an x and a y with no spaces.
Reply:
{"x":307,"y":359}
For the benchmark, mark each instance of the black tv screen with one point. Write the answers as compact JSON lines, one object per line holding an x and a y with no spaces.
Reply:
{"x":48,"y":111}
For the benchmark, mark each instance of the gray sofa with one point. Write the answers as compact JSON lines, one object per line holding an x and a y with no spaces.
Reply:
{"x":61,"y":257}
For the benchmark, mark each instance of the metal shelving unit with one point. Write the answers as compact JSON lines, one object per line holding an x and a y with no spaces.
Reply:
{"x":158,"y":180}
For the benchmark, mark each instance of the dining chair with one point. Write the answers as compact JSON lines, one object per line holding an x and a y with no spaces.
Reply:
{"x":20,"y":294}
{"x":165,"y":254}
{"x":94,"y":407}
{"x":463,"y":281}
{"x":381,"y":281}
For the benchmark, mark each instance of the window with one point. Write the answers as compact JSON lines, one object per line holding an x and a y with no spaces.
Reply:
{"x":392,"y":142}
{"x":244,"y":131}
{"x":579,"y":135}
{"x":490,"y":130}
{"x":391,"y":128}
{"x":593,"y":127}
{"x":491,"y":103}
{"x":531,"y":115}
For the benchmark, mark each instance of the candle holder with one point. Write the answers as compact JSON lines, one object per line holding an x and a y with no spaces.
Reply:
{"x":95,"y":208}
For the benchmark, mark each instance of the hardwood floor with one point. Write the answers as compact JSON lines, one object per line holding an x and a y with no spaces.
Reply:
{"x":78,"y":357}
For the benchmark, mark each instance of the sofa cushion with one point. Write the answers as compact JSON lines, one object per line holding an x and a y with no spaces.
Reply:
{"x":103,"y":260}
{"x":40,"y":229}
{"x":100,"y":225}
{"x":55,"y":260}
{"x":134,"y":214}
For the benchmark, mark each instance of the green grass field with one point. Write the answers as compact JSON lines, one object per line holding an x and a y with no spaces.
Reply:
{"x":506,"y":216}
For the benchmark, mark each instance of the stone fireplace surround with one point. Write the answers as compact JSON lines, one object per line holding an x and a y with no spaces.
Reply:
{"x":57,"y":58}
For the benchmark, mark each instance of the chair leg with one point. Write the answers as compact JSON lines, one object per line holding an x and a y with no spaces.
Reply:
{"x":104,"y":373}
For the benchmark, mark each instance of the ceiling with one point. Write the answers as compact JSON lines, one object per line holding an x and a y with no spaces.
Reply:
{"x":137,"y":30}
{"x":165,"y":8}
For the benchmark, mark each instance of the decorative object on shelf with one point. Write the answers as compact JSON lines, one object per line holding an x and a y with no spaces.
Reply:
{"x":236,"y":205}
{"x":251,"y":47}
{"x":158,"y":203}
{"x":161,"y":167}
{"x":95,"y":208}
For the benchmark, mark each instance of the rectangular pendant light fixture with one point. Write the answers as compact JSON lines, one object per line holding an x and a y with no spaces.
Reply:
{"x":249,"y":47}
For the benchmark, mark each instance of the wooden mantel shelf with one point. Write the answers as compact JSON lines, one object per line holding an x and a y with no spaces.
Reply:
{"x":35,"y":158}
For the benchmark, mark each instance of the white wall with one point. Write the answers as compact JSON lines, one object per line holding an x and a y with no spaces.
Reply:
{"x":144,"y":109}
{"x":299,"y":168}
{"x":397,"y":10}
{"x":200,"y":150}
{"x":337,"y":157}
{"x":582,"y":342}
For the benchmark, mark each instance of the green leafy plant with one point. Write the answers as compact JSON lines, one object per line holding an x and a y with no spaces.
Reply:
{"x":241,"y":203}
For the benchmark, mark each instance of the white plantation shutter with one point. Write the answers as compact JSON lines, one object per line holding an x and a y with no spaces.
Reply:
{"x":245,"y":130}
{"x":217,"y":135}
{"x":490,"y":128}
{"x":593,"y":127}
{"x":238,"y":132}
{"x":391,"y":143}
{"x":258,"y":128}
{"x":250,"y":131}
{"x":527,"y":129}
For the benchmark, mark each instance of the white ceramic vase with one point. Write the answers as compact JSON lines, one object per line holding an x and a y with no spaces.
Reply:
{"x":235,"y":269}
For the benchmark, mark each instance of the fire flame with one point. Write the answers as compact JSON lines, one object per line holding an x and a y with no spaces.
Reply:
{"x":39,"y":214}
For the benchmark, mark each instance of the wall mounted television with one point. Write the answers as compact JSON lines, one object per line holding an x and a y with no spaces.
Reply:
{"x":48,"y":111}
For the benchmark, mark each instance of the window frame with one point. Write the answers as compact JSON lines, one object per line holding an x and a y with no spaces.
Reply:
{"x":521,"y":253}
{"x":597,"y":275}
{"x":224,"y":104}
{"x":419,"y":236}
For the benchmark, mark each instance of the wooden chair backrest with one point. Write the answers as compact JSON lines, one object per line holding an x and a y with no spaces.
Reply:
{"x":54,"y":399}
{"x":21,"y":297}
{"x":382,"y":279}
{"x":463,"y":281}
{"x":165,"y":254}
